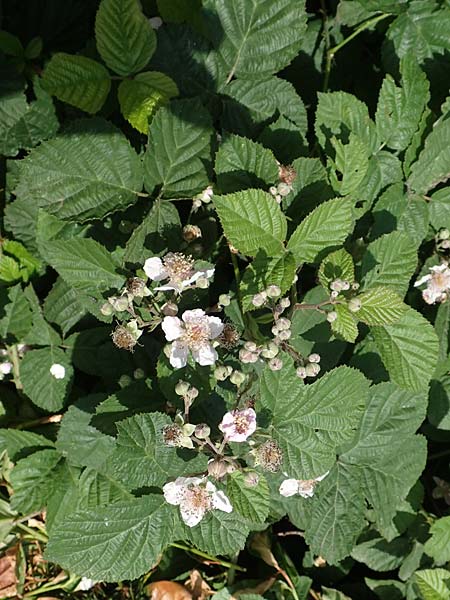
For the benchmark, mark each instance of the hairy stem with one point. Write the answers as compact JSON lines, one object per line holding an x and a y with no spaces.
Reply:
{"x":13,"y":356}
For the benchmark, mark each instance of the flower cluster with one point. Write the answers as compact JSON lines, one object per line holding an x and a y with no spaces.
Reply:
{"x":438,"y":284}
{"x":178,"y":271}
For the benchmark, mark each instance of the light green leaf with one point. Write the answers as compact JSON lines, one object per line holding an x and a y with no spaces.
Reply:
{"x":438,"y":545}
{"x":113,"y":543}
{"x":242,"y":163}
{"x":389,"y":261}
{"x":39,"y":384}
{"x":250,"y":500}
{"x":77,"y":80}
{"x":84,"y":173}
{"x":9,"y":270}
{"x":263,"y":272}
{"x":380,"y":306}
{"x":433,"y":584}
{"x":345,"y":325}
{"x":325,"y":227}
{"x":125,"y":39}
{"x":15,"y":313}
{"x":178,"y":147}
{"x":400,"y":109}
{"x":140,"y":98}
{"x":252,"y":222}
{"x":349,"y":166}
{"x":257,"y":38}
{"x":433,"y":165}
{"x":337,"y":265}
{"x":409,"y":349}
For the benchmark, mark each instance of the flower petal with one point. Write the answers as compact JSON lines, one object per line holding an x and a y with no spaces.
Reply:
{"x":422,"y":280}
{"x":205,"y":355}
{"x":221,"y":502}
{"x":289,"y":487}
{"x":172,"y":327}
{"x":173,"y":492}
{"x":154,"y":269}
{"x":190,"y":516}
{"x":190,"y":316}
{"x":215,"y":327}
{"x":178,"y":356}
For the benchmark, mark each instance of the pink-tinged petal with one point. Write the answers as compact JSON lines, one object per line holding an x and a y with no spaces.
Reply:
{"x":215,"y":327}
{"x":221,"y":502}
{"x":190,"y":516}
{"x":173,"y":493}
{"x":154,"y":269}
{"x":172,"y":327}
{"x":205,"y":355}
{"x":178,"y":356}
{"x":227,"y":422}
{"x":190,"y":316}
{"x":289,"y":487}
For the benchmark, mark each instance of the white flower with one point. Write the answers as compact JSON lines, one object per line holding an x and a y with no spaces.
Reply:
{"x":238,"y":425}
{"x":85,"y":585}
{"x":58,"y":371}
{"x":301,"y":487}
{"x":5,"y":368}
{"x":192,"y":333}
{"x":178,"y":269}
{"x":195,"y":496}
{"x":438,"y":284}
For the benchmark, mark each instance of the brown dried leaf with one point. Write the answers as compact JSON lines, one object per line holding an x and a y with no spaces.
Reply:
{"x":168,"y":590}
{"x":197,"y":586}
{"x":260,"y":544}
{"x":8,"y":579}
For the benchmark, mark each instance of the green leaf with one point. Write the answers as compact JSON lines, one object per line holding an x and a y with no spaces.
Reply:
{"x":17,"y":442}
{"x":242,"y":163}
{"x":140,"y":98}
{"x":84,"y":173}
{"x":409,"y":349}
{"x":325,"y":227}
{"x":31,"y":480}
{"x":41,"y":333}
{"x":400,"y":109}
{"x":15,"y":313}
{"x":258,"y":38}
{"x":84,"y":264}
{"x":62,"y":306}
{"x":433,"y":584}
{"x":77,"y":80}
{"x":125,"y":39}
{"x":381,"y":555}
{"x":349,"y":166}
{"x":337,"y":265}
{"x":438,"y":545}
{"x":263,"y":272}
{"x":9,"y":270}
{"x":345,"y":325}
{"x":179,"y":145}
{"x":252,"y":222}
{"x":338,"y":515}
{"x":433,"y":165}
{"x":440,"y":209}
{"x":142,"y":459}
{"x":99,"y":490}
{"x":219,"y":533}
{"x":380,"y":306}
{"x":309,"y":422}
{"x":389,"y":261}
{"x":113,"y":543}
{"x":249,"y":499}
{"x":39,"y":384}
{"x":10,"y":44}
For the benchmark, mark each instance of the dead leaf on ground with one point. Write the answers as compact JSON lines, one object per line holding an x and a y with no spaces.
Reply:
{"x":198,"y":587}
{"x":168,"y":590}
{"x":8,"y":579}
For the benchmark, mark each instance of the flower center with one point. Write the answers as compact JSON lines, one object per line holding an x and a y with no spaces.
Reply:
{"x":179,"y":266}
{"x":196,"y":334}
{"x":304,"y":485}
{"x":198,"y":498}
{"x":441,"y":279}
{"x":241,"y":423}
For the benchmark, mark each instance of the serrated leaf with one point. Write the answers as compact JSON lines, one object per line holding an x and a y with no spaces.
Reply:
{"x":438,"y":545}
{"x":77,"y":80}
{"x":84,"y":173}
{"x":345,"y":325}
{"x":112,"y":543}
{"x":258,"y":38}
{"x":31,"y":480}
{"x":252,"y":222}
{"x":409,"y":349}
{"x":433,"y":165}
{"x":125,"y":39}
{"x":337,"y":265}
{"x":96,"y":490}
{"x":62,"y":306}
{"x":250,"y":500}
{"x":39,"y":384}
{"x":178,"y":147}
{"x":440,"y":209}
{"x":263,"y":272}
{"x":325,"y":227}
{"x":41,"y":332}
{"x":140,"y":98}
{"x":381,"y":555}
{"x":241,"y":163}
{"x":15,"y":315}
{"x":433,"y":584}
{"x":389,"y":261}
{"x":400,"y":109}
{"x":219,"y":533}
{"x":142,"y":459}
{"x":380,"y":306}
{"x":310,"y":421}
{"x":17,"y":442}
{"x":349,"y":166}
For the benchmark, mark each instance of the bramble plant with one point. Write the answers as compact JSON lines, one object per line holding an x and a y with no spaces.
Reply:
{"x":224,"y":310}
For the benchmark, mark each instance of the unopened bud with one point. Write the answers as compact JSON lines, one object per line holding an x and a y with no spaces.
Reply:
{"x":332,"y":316}
{"x":119,"y":304}
{"x":444,"y":234}
{"x":314,"y":358}
{"x":124,"y":381}
{"x":191,"y":233}
{"x":196,"y":204}
{"x":283,"y":324}
{"x":334,"y":294}
{"x":106,"y":309}
{"x":237,"y":377}
{"x":354,"y":305}
{"x":312,"y":369}
{"x":285,"y":303}
{"x":259,"y":299}
{"x":202,"y":283}
{"x":345,"y":285}
{"x":270,"y":351}
{"x":275,"y":364}
{"x":221,"y":372}
{"x":301,"y":372}
{"x":169,"y":309}
{"x":219,"y":468}
{"x":182,"y":388}
{"x":273,"y":190}
{"x":251,"y":479}
{"x":355,"y":286}
{"x":284,"y":189}
{"x":202,"y":431}
{"x":273,"y":291}
{"x":191,"y":394}
{"x":285,"y":334}
{"x":139,"y":374}
{"x":247,"y":357}
{"x":224,"y":300}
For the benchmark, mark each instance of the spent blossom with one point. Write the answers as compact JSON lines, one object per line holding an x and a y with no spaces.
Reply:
{"x":178,"y":269}
{"x":300,"y":487}
{"x":192,"y":334}
{"x":238,"y":425}
{"x":438,"y":284}
{"x":196,"y":496}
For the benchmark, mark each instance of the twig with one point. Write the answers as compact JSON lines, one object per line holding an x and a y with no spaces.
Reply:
{"x":212,"y":559}
{"x":37,"y":422}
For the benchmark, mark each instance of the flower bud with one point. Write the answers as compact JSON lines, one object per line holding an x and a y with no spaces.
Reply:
{"x":218,"y":468}
{"x":247,"y":357}
{"x":119,"y":304}
{"x":334,"y":294}
{"x":332,"y":316}
{"x":202,"y":283}
{"x":345,"y":285}
{"x":314,"y":358}
{"x":285,"y":303}
{"x":224,"y":300}
{"x":106,"y":309}
{"x":139,"y":374}
{"x":285,"y":334}
{"x":259,"y":299}
{"x":301,"y":372}
{"x":275,"y":364}
{"x":273,"y":190}
{"x":251,"y":479}
{"x":124,"y":381}
{"x":284,"y":189}
{"x":355,"y":286}
{"x":283,"y":324}
{"x":202,"y":431}
{"x":191,"y":233}
{"x":238,"y":378}
{"x":196,"y":204}
{"x":273,"y":291}
{"x":336,"y":285}
{"x":169,"y":309}
{"x":250,"y":346}
{"x":312,"y":369}
{"x":444,"y":234}
{"x":221,"y":373}
{"x":354,"y":305}
{"x":270,"y":351}
{"x":191,"y":394}
{"x":182,"y":388}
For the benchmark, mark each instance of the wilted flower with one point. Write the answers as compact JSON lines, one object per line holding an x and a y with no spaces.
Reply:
{"x":136,"y":288}
{"x":238,"y":425}
{"x":196,"y":496}
{"x":58,"y":371}
{"x":287,"y":174}
{"x":192,"y":333}
{"x":191,"y":233}
{"x":178,"y":434}
{"x":126,"y":336}
{"x":301,"y":487}
{"x":438,"y":284}
{"x":269,"y":456}
{"x":229,"y":337}
{"x":442,"y":490}
{"x":178,"y":269}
